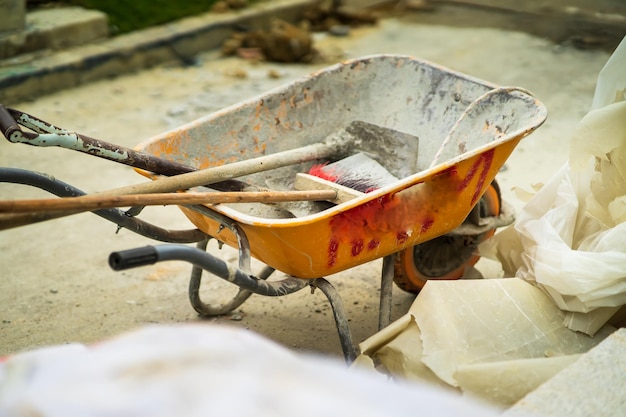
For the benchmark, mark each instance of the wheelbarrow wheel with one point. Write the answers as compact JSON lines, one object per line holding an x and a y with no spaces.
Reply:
{"x":447,"y":256}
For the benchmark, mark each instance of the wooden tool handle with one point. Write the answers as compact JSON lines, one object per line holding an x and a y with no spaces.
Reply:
{"x":97,"y":202}
{"x":189,"y":180}
{"x":311,"y":182}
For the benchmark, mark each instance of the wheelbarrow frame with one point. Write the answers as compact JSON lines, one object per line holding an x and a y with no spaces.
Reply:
{"x":419,"y":98}
{"x":240,"y":276}
{"x":237,"y":232}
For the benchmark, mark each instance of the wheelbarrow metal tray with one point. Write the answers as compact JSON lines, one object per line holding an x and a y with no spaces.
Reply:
{"x":397,"y":92}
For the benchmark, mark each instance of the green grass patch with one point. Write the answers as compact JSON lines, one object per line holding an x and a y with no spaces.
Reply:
{"x":129,"y":15}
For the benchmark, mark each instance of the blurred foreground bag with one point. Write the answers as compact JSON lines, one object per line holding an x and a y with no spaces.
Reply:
{"x":570,"y":238}
{"x":199,"y":370}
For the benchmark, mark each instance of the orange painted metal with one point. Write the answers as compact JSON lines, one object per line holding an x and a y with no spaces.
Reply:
{"x":398,"y":92}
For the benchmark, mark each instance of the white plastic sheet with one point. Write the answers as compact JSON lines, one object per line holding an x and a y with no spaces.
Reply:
{"x":611,"y":84}
{"x":570,"y":238}
{"x":497,"y":339}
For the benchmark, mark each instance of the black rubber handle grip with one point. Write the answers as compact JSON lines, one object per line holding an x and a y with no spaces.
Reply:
{"x":8,"y":125}
{"x":133,"y":258}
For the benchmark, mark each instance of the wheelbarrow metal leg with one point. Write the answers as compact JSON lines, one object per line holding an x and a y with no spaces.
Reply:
{"x":345,"y":336}
{"x":207,"y":310}
{"x":386,"y":288}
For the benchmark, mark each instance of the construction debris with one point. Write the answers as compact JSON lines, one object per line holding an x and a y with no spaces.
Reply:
{"x":324,"y":17}
{"x":285,"y":42}
{"x":497,"y":339}
{"x":228,"y":5}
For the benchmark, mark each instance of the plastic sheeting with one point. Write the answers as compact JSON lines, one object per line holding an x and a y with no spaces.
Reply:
{"x":570,"y":238}
{"x":497,"y":339}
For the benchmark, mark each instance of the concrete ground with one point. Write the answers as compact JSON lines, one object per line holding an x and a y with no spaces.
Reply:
{"x":56,"y":284}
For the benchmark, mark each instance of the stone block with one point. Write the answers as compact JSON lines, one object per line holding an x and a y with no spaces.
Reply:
{"x":13,"y":16}
{"x":55,"y":29}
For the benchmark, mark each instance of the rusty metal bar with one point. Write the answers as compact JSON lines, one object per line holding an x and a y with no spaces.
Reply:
{"x":49,"y":135}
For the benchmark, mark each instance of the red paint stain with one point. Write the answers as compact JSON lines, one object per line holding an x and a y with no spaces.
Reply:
{"x":401,"y":237}
{"x":487,"y":157}
{"x":333,"y":247}
{"x":484,"y":161}
{"x":357,"y":247}
{"x":452,"y":171}
{"x":470,"y":175}
{"x":356,"y":226}
{"x":373,"y":244}
{"x":366,"y":215}
{"x":426,"y":225}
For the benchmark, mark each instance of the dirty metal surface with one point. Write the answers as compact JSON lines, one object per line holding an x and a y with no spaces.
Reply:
{"x":462,"y":145}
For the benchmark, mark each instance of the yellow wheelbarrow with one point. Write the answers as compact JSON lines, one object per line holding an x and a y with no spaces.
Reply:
{"x":426,"y":224}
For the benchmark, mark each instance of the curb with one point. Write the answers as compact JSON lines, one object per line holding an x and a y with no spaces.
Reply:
{"x":180,"y":40}
{"x":53,"y":29}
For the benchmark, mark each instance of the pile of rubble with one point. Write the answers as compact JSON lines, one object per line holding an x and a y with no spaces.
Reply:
{"x":286,"y":42}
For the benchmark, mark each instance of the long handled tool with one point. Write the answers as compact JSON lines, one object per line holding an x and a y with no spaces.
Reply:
{"x":194,"y":179}
{"x":400,"y":149}
{"x":191,"y":179}
{"x":97,"y":202}
{"x":46,"y":135}
{"x":358,"y":135}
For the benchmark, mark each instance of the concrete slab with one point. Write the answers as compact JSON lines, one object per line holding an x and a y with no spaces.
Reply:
{"x":592,"y":386}
{"x":28,"y":76}
{"x":584,"y":23}
{"x":65,"y":27}
{"x":55,"y":29}
{"x":22,"y":79}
